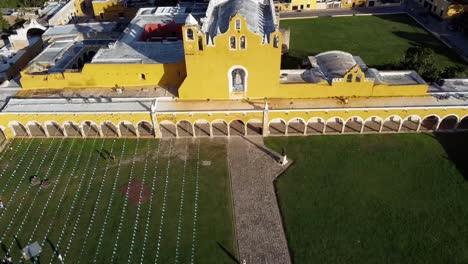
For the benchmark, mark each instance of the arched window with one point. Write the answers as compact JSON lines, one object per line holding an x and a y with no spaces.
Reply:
{"x":359,"y":77}
{"x":238,"y":80}
{"x":276,"y":41}
{"x":189,"y":34}
{"x":242,"y":42}
{"x":232,"y":42}
{"x":238,"y":24}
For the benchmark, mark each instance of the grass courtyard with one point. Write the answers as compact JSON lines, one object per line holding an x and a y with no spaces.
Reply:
{"x":376,"y":198}
{"x":118,"y":201}
{"x":379,"y":40}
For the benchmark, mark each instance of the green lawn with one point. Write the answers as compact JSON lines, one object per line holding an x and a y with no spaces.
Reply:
{"x":87,"y":215}
{"x":376,"y":198}
{"x":379,"y":40}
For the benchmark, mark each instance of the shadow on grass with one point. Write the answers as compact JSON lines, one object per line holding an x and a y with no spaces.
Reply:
{"x":229,"y":254}
{"x":456,"y":148}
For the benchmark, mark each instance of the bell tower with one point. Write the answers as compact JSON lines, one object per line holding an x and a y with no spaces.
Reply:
{"x":194,"y":40}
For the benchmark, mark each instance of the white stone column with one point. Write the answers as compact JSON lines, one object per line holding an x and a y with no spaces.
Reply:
{"x":305,"y":128}
{"x":46,"y":131}
{"x":437,"y":125}
{"x":265,"y":130}
{"x":362,"y":127}
{"x":99,"y":128}
{"x":211,"y":129}
{"x":193,"y":130}
{"x":419,"y":125}
{"x":381,"y":126}
{"x":64,"y":131}
{"x":83,"y":135}
{"x":324,"y":127}
{"x":400,"y":125}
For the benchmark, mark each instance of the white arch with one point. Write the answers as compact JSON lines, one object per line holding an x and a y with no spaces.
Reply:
{"x":333,"y":119}
{"x":454,"y":115}
{"x":230,"y":77}
{"x":296,"y":118}
{"x":277,"y":119}
{"x":317,"y":119}
{"x":410,"y":116}
{"x":375,"y":118}
{"x":353,"y":117}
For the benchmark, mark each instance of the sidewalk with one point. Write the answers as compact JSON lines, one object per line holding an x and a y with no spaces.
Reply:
{"x":260,"y":232}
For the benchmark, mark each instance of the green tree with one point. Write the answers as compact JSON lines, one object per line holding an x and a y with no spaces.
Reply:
{"x":422,"y":61}
{"x":3,"y":24}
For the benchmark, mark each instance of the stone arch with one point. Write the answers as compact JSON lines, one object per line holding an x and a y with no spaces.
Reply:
{"x":219,"y":128}
{"x":296,"y":126}
{"x":2,"y":134}
{"x":448,"y":123}
{"x":109,"y":129}
{"x":277,"y":127}
{"x":36,"y":129}
{"x":202,"y":128}
{"x":236,"y":128}
{"x":54,"y":129}
{"x":18,"y":129}
{"x":72,"y":129}
{"x":90,"y":129}
{"x":354,"y":125}
{"x":463,"y":125}
{"x":254,"y":127}
{"x":334,"y":125}
{"x":184,"y":129}
{"x":430,"y":123}
{"x":145,"y":129}
{"x":373,"y":124}
{"x":168,"y":129}
{"x":411,"y":123}
{"x":315,"y":125}
{"x":392,"y":124}
{"x":127,"y":129}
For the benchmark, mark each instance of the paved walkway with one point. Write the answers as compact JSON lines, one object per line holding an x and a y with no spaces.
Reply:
{"x":259,"y":228}
{"x":454,"y":39}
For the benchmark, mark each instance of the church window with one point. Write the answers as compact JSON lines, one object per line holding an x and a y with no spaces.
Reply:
{"x":242,"y":42}
{"x":143,"y":76}
{"x":276,"y":41}
{"x":232,"y":42}
{"x":200,"y":43}
{"x":238,"y":24}
{"x":359,"y":77}
{"x":238,"y":80}
{"x":349,"y":78}
{"x":189,"y":34}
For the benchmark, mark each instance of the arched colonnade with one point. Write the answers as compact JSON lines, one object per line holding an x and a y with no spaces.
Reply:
{"x":253,"y":127}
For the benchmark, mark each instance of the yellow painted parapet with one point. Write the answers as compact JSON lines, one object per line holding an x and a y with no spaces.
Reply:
{"x":112,"y":10}
{"x":353,"y":3}
{"x":108,"y":75}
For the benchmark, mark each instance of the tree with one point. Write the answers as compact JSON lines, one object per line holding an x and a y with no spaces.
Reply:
{"x":422,"y":61}
{"x":3,"y":24}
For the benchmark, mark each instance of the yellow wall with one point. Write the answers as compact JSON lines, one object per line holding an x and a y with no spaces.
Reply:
{"x":296,"y":5}
{"x":111,"y":10}
{"x":207,"y":70}
{"x":349,"y":3}
{"x":286,"y":115}
{"x":79,"y":6}
{"x":108,"y":75}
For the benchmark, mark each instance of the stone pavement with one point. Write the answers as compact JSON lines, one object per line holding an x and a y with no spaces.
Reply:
{"x":259,"y":228}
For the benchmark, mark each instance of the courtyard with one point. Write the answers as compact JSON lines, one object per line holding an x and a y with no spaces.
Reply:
{"x":381,"y":41}
{"x":397,"y":198}
{"x":117,"y":200}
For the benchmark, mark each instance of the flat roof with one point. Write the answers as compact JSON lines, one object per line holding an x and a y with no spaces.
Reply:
{"x":450,"y":86}
{"x":105,"y":105}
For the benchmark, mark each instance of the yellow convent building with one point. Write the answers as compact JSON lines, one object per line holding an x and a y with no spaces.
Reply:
{"x":219,"y":70}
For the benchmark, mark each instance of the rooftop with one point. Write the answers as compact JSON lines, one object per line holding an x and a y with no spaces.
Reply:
{"x":104,"y":105}
{"x":131,"y":49}
{"x":259,"y":14}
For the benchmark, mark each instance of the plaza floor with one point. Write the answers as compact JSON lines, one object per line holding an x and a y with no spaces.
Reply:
{"x":118,"y":200}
